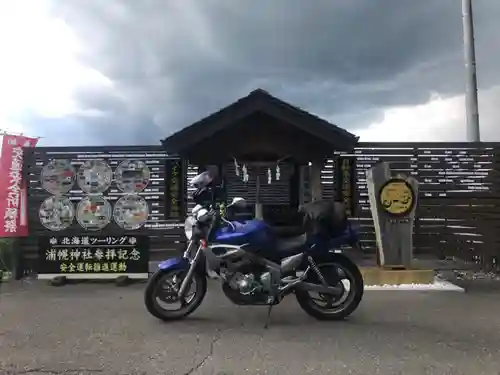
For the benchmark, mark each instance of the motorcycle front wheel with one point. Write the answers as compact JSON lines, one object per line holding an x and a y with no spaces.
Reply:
{"x":342,"y":273}
{"x":161,"y":297}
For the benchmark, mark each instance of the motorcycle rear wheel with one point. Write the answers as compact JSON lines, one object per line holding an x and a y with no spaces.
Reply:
{"x":344,"y":308}
{"x":155,"y":290}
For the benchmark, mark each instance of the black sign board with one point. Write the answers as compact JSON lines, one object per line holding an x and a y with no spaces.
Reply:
{"x":174,"y":189}
{"x":346,"y":183}
{"x":124,"y":254}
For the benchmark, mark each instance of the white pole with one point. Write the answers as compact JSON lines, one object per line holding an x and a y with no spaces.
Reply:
{"x":471,"y":102}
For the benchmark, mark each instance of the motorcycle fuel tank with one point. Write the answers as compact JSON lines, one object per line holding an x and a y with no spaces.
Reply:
{"x":254,"y":232}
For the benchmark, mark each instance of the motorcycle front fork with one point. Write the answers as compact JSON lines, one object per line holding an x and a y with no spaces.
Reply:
{"x":186,"y":282}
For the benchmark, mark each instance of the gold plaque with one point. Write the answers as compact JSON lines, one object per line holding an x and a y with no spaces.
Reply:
{"x":397,"y":197}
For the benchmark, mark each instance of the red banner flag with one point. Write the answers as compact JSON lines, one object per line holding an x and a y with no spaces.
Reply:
{"x":13,"y":190}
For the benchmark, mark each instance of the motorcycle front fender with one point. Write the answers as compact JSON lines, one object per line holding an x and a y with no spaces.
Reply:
{"x":177,"y":263}
{"x":180,"y":263}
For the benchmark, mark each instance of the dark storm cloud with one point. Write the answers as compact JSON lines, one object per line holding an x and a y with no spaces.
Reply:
{"x":173,"y":62}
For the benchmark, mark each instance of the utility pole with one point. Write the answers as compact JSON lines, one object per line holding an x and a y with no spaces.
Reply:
{"x":471,"y":102}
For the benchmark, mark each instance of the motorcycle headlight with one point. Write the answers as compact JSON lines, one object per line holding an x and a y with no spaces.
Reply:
{"x":188,"y":227}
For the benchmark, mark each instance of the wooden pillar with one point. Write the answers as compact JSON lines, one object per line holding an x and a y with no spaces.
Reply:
{"x":338,"y":193}
{"x":302,"y":172}
{"x":259,"y":209}
{"x":315,"y":180}
{"x":294,"y":187}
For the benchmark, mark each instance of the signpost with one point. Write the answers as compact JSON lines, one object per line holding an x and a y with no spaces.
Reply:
{"x":93,"y":257}
{"x":94,"y":211}
{"x":174,"y":189}
{"x":393,"y":201}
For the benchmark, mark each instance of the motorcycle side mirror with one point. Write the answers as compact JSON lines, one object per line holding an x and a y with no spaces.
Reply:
{"x":237,"y":202}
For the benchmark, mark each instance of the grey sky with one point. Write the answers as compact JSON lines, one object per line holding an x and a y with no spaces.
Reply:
{"x":169,"y":63}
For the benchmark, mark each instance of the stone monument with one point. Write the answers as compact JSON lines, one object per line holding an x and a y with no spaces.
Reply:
{"x":393,"y":202}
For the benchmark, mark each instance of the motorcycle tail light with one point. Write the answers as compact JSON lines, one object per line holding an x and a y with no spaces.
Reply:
{"x":203,"y":244}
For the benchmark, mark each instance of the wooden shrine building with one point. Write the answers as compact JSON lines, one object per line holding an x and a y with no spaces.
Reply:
{"x":280,"y":145}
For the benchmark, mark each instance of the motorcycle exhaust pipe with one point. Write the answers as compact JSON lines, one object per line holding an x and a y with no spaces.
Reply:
{"x":309,"y":287}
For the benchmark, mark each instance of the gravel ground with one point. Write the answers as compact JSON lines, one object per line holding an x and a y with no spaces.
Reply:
{"x":102,"y":329}
{"x":473,"y":280}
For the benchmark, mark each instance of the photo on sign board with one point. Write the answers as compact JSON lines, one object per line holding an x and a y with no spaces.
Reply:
{"x":132,"y":176}
{"x":131,"y":212}
{"x":58,"y":176}
{"x":95,"y":176}
{"x":56,"y":213}
{"x":93,"y":212}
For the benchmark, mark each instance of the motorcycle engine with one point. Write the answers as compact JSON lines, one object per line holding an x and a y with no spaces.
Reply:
{"x":249,"y":288}
{"x":246,"y":284}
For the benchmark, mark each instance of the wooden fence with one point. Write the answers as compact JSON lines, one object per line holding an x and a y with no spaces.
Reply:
{"x":459,"y":198}
{"x":458,"y":209}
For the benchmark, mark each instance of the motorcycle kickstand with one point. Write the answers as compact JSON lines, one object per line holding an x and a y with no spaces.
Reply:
{"x":271,"y":302}
{"x":268,"y":319}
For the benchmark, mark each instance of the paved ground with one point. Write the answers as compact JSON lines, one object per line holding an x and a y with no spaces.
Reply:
{"x":103,"y":329}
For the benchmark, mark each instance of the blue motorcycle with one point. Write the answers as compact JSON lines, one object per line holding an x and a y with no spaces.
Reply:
{"x":254,"y":265}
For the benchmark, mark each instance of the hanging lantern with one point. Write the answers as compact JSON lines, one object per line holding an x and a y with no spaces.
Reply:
{"x":245,"y":173}
{"x":269,"y":176}
{"x":278,"y":172}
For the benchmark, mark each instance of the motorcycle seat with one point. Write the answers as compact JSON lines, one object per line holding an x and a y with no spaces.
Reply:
{"x":290,"y":245}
